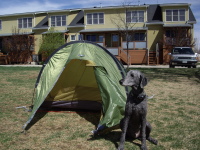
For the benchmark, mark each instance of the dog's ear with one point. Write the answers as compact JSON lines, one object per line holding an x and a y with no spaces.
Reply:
{"x":143,"y":81}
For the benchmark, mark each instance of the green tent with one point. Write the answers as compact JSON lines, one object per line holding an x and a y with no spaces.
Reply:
{"x":82,"y":75}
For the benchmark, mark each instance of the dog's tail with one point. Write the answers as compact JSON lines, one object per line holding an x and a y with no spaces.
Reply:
{"x":152,"y":140}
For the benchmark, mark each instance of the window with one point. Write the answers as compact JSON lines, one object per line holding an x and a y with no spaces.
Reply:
{"x":170,"y":33}
{"x":95,"y":18}
{"x":94,"y":38}
{"x":175,"y":15}
{"x":139,"y":37}
{"x":134,"y":16}
{"x":58,"y":21}
{"x":73,"y":37}
{"x":25,"y":23}
{"x":91,"y":38}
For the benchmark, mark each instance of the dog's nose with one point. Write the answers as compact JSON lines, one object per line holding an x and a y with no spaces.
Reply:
{"x":121,"y":81}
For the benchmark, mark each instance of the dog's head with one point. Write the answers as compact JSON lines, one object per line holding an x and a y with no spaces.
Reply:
{"x":134,"y":79}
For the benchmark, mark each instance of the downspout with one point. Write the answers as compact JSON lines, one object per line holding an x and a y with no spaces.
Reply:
{"x":147,"y":44}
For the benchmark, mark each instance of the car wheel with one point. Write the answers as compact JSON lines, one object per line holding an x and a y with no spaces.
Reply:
{"x":194,"y":66}
{"x":189,"y":66}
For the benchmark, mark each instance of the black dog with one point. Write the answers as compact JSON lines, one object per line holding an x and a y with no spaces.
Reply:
{"x":134,"y":124}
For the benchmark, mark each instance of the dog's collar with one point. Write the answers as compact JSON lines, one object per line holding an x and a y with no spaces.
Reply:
{"x":141,"y":96}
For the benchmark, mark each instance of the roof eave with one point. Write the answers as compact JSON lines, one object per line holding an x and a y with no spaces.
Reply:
{"x":60,"y":31}
{"x":110,"y":29}
{"x":11,"y":34}
{"x":114,"y":7}
{"x":154,"y":23}
{"x":175,"y":4}
{"x":76,"y":26}
{"x":41,"y":28}
{"x":192,"y":22}
{"x":177,"y":25}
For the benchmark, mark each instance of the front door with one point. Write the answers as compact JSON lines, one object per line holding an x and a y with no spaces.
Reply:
{"x":115,"y":40}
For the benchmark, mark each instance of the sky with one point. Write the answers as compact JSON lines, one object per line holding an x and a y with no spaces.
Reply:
{"x":22,"y":6}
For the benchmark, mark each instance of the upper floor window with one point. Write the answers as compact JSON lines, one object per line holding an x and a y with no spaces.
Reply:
{"x":25,"y":23}
{"x":134,"y":16}
{"x":58,"y":20}
{"x":95,"y":18}
{"x":0,"y":25}
{"x":175,"y":15}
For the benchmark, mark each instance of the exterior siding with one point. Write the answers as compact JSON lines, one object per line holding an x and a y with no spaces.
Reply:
{"x":172,"y":8}
{"x":9,"y":23}
{"x":154,"y":29}
{"x":154,"y":35}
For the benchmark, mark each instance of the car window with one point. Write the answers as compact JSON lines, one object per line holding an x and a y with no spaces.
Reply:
{"x":182,"y":51}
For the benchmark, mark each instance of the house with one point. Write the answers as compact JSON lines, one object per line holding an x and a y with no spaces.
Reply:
{"x":147,"y":31}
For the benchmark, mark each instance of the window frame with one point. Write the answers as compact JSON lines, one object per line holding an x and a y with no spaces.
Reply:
{"x":59,"y":20}
{"x":137,"y":37}
{"x":171,"y":17}
{"x":94,"y":37}
{"x":72,"y":35}
{"x":134,"y":19}
{"x":95,"y":18}
{"x":26,"y":22}
{"x":140,"y":36}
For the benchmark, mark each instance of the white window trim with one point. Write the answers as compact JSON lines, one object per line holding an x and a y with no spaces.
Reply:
{"x":23,"y":24}
{"x":98,"y":18}
{"x":172,"y":15}
{"x":71,"y":37}
{"x":137,"y":16}
{"x":61,"y":20}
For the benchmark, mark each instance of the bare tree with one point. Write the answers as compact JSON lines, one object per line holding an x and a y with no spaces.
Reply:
{"x":197,"y":46}
{"x":179,"y":36}
{"x":19,"y":46}
{"x":123,"y":21}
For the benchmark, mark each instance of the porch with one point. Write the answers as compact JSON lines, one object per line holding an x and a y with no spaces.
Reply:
{"x":133,"y":52}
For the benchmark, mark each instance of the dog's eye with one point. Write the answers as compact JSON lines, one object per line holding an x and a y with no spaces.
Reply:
{"x":132,"y":75}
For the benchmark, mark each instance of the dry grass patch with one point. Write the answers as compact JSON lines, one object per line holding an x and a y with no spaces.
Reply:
{"x":173,"y":113}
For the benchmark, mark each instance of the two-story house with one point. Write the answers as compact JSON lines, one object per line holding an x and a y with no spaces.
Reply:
{"x":151,"y":30}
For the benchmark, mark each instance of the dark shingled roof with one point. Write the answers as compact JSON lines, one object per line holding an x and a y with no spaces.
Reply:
{"x":154,"y":13}
{"x":43,"y":23}
{"x":191,"y":15}
{"x":78,"y":20}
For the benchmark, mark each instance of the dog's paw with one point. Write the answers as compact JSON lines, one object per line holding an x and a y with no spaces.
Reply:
{"x":120,"y":148}
{"x":143,"y":147}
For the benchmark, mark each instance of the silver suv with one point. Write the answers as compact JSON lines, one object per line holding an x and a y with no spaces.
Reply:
{"x":183,"y":56}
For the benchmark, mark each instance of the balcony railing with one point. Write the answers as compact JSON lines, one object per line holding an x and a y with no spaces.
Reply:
{"x":134,"y":45}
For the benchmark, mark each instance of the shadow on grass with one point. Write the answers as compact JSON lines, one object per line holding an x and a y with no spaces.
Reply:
{"x":114,"y":137}
{"x":39,"y":115}
{"x":91,"y":116}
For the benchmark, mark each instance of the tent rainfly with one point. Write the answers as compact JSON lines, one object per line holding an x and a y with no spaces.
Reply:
{"x":82,"y":75}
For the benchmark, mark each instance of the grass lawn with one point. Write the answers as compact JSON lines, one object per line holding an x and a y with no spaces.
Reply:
{"x":173,"y":114}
